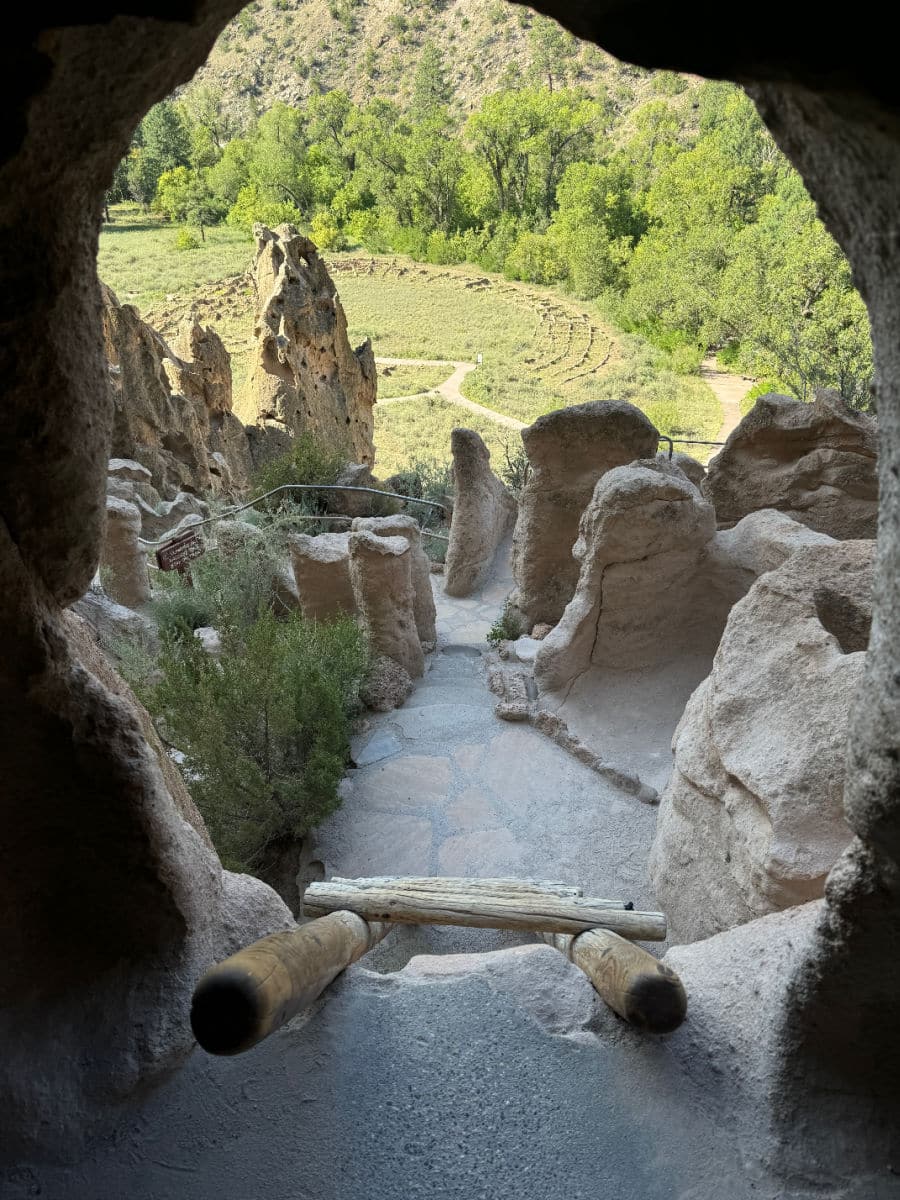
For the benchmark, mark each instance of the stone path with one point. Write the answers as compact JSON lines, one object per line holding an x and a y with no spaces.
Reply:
{"x":730,"y":390}
{"x":450,"y":389}
{"x":443,"y":787}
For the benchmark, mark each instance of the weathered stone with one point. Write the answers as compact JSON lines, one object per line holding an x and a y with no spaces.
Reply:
{"x":752,"y":820}
{"x":640,"y":593}
{"x":420,"y":568}
{"x":124,"y":562}
{"x":322,"y":573}
{"x":380,"y":572}
{"x":484,"y":511}
{"x":387,"y":686}
{"x":814,"y":461}
{"x":540,"y":631}
{"x":694,"y":470}
{"x":305,"y":375}
{"x":164,"y":521}
{"x":111,"y":623}
{"x":568,"y":451}
{"x":207,"y":363}
{"x":209,"y":639}
{"x":128,"y":469}
{"x":349,"y":503}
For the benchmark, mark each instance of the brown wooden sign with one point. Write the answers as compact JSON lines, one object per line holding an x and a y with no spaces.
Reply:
{"x":180,"y":551}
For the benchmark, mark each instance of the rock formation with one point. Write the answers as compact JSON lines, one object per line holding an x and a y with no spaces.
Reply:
{"x":124,"y":561}
{"x":695,"y":471}
{"x":484,"y":511}
{"x":420,"y":568}
{"x":752,"y":820}
{"x":640,"y":592}
{"x":305,"y":375}
{"x":568,"y":451}
{"x":173,"y":415}
{"x":322,"y":572}
{"x":814,"y":461}
{"x":381,"y":573}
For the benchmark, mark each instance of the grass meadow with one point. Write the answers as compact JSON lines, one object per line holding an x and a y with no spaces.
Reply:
{"x":540,"y":350}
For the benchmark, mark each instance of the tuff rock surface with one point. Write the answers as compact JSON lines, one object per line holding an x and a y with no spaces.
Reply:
{"x":305,"y":375}
{"x":321,"y":567}
{"x":568,"y":451}
{"x":484,"y":511}
{"x":381,"y":575}
{"x":420,"y":569}
{"x":752,"y":820}
{"x":815,"y":462}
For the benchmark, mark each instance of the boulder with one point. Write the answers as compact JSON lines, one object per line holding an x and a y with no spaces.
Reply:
{"x":322,"y":573}
{"x":381,"y":574}
{"x":484,"y":512}
{"x":111,"y":624}
{"x":694,"y":470}
{"x":305,"y":376}
{"x":354,"y":504}
{"x":420,"y":568}
{"x":163,"y":521}
{"x":752,"y":819}
{"x":816,"y":462}
{"x":124,"y":561}
{"x":640,"y":594}
{"x":568,"y":451}
{"x":128,"y":469}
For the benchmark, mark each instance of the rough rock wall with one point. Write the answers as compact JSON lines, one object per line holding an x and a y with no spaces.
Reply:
{"x":173,"y":414}
{"x":752,"y":819}
{"x":420,"y":569}
{"x":321,"y":566}
{"x":568,"y":450}
{"x":305,"y":374}
{"x":484,"y":511}
{"x":815,"y":462}
{"x":118,"y":903}
{"x":381,"y":574}
{"x":641,"y":594}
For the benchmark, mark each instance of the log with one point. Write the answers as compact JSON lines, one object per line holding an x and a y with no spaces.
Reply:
{"x":641,"y":989}
{"x":251,"y":994}
{"x":487,"y":887}
{"x":531,"y":912}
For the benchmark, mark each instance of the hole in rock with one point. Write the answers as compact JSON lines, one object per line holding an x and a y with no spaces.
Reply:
{"x":844,"y":619}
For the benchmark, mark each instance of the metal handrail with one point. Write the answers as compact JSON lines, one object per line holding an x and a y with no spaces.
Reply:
{"x":685,"y":442}
{"x":307,"y":487}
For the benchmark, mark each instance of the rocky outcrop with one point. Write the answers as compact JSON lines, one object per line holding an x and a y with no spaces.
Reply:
{"x":694,"y":470}
{"x":305,"y":376}
{"x":815,"y":462}
{"x":322,"y":572}
{"x":752,"y":820}
{"x":420,"y":569}
{"x":123,"y":561}
{"x":381,"y":574}
{"x":173,"y":414}
{"x":484,"y":511}
{"x":568,"y":451}
{"x":640,"y":592}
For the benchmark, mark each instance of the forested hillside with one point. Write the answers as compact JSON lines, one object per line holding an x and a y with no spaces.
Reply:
{"x":663,"y":199}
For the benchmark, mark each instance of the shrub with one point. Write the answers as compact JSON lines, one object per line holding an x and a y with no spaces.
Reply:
{"x":507,"y":627}
{"x":515,"y":468}
{"x":177,"y":605}
{"x":326,"y":233}
{"x":264,"y":728}
{"x":425,"y":479}
{"x":535,"y":258}
{"x":307,"y":461}
{"x":185,"y":240}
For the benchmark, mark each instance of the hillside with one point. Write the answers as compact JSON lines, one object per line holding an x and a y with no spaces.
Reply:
{"x":289,"y":50}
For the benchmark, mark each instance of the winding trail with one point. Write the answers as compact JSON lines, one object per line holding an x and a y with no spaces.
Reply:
{"x":729,"y":390}
{"x":449,"y":389}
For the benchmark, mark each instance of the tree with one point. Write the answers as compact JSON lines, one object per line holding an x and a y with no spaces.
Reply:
{"x":551,"y":46}
{"x":183,"y":194}
{"x":431,"y":89}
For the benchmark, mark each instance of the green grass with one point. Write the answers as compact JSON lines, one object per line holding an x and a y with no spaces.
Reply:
{"x":540,"y":349}
{"x":420,"y":429}
{"x":139,"y":260}
{"x":410,"y":381}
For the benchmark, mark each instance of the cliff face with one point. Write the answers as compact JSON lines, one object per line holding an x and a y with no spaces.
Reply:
{"x":173,"y":414}
{"x":305,"y":375}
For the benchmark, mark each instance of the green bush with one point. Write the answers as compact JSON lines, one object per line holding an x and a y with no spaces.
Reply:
{"x":535,"y":258}
{"x":185,"y":240}
{"x":507,"y":627}
{"x":307,"y":461}
{"x":177,"y":605}
{"x":514,"y":468}
{"x":326,"y":233}
{"x":264,"y":727}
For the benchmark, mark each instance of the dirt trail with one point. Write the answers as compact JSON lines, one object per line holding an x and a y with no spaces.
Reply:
{"x":729,"y":390}
{"x":449,"y":389}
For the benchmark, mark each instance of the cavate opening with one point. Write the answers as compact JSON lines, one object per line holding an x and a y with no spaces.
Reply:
{"x":844,"y":619}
